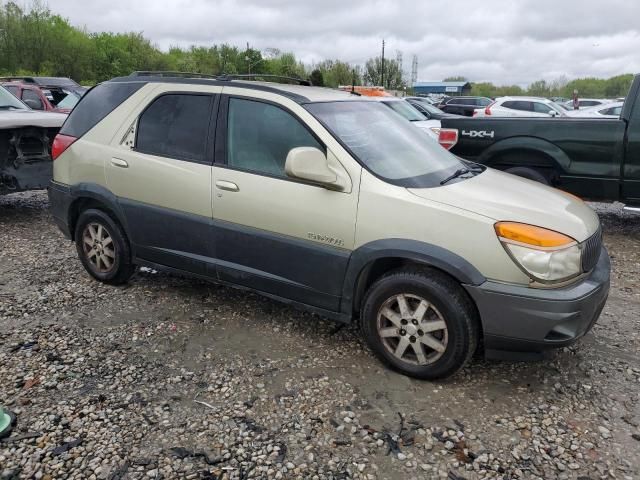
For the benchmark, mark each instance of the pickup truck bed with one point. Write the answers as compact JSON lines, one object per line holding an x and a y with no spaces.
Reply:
{"x":595,"y":159}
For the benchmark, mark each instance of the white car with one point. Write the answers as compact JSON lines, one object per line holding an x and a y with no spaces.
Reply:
{"x":606,"y":110}
{"x":411,"y":113}
{"x":585,"y":103}
{"x":521,"y":107}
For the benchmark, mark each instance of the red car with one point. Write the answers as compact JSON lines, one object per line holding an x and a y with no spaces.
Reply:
{"x":45,"y":93}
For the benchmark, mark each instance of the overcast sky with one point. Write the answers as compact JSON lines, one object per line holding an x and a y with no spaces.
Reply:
{"x":503,"y":41}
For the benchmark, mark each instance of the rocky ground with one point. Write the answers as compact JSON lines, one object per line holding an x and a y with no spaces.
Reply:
{"x":175,"y":378}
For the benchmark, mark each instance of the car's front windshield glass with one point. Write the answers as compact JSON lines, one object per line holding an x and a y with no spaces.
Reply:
{"x":386,"y":144}
{"x":8,"y":101}
{"x":405,"y":109}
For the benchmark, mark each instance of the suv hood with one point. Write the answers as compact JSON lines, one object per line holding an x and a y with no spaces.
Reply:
{"x":30,"y":118}
{"x":505,"y":197}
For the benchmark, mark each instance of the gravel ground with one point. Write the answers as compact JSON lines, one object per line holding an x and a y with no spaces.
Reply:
{"x":170,"y":377}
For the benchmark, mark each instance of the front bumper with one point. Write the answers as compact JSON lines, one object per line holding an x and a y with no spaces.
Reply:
{"x":60,"y":199}
{"x":517,"y":320}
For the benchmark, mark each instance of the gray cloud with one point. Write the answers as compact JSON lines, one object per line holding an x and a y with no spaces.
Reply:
{"x":502,"y":41}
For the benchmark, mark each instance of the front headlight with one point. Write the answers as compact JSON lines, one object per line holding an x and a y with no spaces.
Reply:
{"x":545,"y":255}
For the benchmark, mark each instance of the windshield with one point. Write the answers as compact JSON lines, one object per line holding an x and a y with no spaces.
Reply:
{"x":405,"y":109}
{"x":8,"y":101}
{"x":69,"y":101}
{"x":387,"y":145}
{"x":557,"y":107}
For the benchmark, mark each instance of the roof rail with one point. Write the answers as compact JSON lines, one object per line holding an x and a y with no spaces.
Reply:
{"x":164,"y":73}
{"x":299,"y":81}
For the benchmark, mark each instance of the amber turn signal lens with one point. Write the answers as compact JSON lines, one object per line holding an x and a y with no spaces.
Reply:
{"x":531,"y":235}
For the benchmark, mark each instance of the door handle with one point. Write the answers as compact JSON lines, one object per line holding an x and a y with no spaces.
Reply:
{"x":229,"y":186}
{"x":118,"y":162}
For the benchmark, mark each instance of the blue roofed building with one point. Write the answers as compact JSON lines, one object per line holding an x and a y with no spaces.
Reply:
{"x":442,"y":88}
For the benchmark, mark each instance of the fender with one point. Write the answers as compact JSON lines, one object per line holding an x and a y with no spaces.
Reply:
{"x":100,"y":194}
{"x":398,"y":248}
{"x":520,"y":143}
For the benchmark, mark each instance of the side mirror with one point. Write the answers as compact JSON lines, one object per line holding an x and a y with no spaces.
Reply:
{"x":553,"y":113}
{"x":34,"y":104}
{"x":311,"y":164}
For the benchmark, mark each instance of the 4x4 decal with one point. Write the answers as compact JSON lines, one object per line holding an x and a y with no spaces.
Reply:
{"x":478,"y":133}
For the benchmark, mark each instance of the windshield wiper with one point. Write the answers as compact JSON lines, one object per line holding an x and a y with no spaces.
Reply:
{"x":8,"y":107}
{"x":456,"y":174}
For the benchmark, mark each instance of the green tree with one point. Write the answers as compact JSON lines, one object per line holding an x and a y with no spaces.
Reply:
{"x":458,"y":78}
{"x":392,"y":74}
{"x":316,"y":78}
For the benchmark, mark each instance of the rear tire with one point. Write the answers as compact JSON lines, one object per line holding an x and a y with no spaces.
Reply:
{"x":103,"y":247}
{"x":420,"y":322}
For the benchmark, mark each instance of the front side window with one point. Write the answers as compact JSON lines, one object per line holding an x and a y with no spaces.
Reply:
{"x":176,"y":126}
{"x":386,"y":144}
{"x":539,"y":107}
{"x":260,"y":136}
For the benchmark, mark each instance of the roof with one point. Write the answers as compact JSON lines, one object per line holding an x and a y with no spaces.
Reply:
{"x":441,"y":84}
{"x":298,"y":93}
{"x":42,"y":81}
{"x":524,"y":98}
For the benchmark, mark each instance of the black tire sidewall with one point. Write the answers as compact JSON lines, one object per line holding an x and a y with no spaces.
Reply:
{"x":456,"y":317}
{"x":122,"y":262}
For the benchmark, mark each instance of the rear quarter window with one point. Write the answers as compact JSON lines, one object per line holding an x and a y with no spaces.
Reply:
{"x":95,"y":105}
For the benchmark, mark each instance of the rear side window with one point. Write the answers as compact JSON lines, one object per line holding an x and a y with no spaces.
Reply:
{"x":518,"y":105}
{"x":176,"y":126}
{"x":14,"y":90}
{"x":96,"y":104}
{"x":35,"y":100}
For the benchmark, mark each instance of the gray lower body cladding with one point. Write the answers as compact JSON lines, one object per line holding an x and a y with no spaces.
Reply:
{"x":25,"y":158}
{"x":521,"y":319}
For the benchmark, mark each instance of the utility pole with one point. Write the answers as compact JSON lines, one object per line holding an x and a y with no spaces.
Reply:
{"x":382,"y":70}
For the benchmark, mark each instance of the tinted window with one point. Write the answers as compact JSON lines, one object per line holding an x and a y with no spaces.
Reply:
{"x":518,"y":105}
{"x":35,"y":101}
{"x":99,"y":102}
{"x":539,"y":107}
{"x":483,"y":102}
{"x":176,"y":126}
{"x":589,"y":103}
{"x":14,"y":90}
{"x":455,"y":101}
{"x":260,"y":136}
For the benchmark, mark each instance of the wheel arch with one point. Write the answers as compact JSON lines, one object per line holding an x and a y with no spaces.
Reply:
{"x":372,"y":260}
{"x":89,"y":195}
{"x":539,"y":152}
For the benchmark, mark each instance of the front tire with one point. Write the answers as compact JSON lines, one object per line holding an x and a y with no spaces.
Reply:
{"x":103,"y":247}
{"x":420,"y":322}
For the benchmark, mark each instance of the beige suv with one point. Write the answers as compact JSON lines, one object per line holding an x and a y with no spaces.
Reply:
{"x":331,"y":202}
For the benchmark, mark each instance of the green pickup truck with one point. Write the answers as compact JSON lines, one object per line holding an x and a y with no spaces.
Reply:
{"x":596,"y":159}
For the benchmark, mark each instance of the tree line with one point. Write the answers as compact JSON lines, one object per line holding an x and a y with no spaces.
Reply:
{"x":36,"y":41}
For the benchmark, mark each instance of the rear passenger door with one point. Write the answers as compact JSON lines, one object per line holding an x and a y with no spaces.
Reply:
{"x":162,"y":179}
{"x":274,"y":233}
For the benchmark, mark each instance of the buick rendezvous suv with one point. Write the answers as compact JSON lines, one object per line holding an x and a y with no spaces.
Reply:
{"x":330,"y":202}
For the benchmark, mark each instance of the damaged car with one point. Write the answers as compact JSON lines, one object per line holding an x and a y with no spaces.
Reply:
{"x":26,"y":137}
